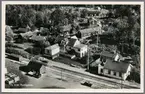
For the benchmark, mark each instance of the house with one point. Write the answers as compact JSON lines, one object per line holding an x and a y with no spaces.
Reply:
{"x":81,"y":50}
{"x":93,"y":13}
{"x":75,"y":47}
{"x":35,"y":66}
{"x":115,"y":69}
{"x":72,"y":43}
{"x":52,"y":51}
{"x":23,"y":36}
{"x":21,"y":30}
{"x":83,"y":23}
{"x":36,"y":38}
{"x":110,"y":55}
{"x":90,"y":31}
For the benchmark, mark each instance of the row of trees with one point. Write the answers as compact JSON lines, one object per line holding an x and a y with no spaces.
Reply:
{"x":126,"y":28}
{"x":37,"y":15}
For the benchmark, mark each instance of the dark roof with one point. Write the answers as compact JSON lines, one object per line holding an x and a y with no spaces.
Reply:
{"x":71,"y":42}
{"x":116,"y":66}
{"x":93,"y":12}
{"x":35,"y":64}
{"x":107,"y":54}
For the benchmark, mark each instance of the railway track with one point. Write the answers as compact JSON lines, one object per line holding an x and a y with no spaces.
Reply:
{"x":117,"y":84}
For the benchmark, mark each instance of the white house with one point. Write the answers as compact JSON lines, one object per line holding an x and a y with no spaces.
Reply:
{"x":76,"y":47}
{"x":52,"y":51}
{"x":81,"y":50}
{"x":120,"y":70}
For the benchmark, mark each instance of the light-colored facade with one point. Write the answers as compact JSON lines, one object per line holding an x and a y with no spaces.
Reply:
{"x":52,"y":51}
{"x":85,"y":33}
{"x":79,"y":49}
{"x":115,"y":73}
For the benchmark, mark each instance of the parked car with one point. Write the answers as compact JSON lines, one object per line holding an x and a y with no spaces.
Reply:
{"x":86,"y":83}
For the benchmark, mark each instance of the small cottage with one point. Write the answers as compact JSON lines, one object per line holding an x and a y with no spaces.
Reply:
{"x":22,"y":37}
{"x":110,"y":55}
{"x":81,"y":50}
{"x":90,"y":31}
{"x":93,"y":13}
{"x":52,"y":51}
{"x":36,"y":38}
{"x":75,"y":47}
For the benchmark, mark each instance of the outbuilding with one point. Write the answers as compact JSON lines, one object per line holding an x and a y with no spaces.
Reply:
{"x":52,"y":51}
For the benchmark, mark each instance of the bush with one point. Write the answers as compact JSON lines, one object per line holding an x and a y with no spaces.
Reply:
{"x":134,"y":75}
{"x":17,"y":51}
{"x":34,"y":50}
{"x":8,"y":44}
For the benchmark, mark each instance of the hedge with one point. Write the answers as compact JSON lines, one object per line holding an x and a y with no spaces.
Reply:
{"x":18,"y":51}
{"x":8,"y":44}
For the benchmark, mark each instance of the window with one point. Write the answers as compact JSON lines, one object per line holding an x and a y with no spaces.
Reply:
{"x":114,"y":73}
{"x":109,"y":71}
{"x":120,"y":74}
{"x":48,"y":51}
{"x":101,"y":70}
{"x":78,"y":49}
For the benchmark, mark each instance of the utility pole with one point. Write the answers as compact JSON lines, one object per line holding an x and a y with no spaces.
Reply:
{"x":97,"y":41}
{"x":88,"y":56}
{"x":61,"y":74}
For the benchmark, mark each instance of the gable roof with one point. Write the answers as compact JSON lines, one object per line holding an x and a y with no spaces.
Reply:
{"x":107,"y":54}
{"x":37,"y":38}
{"x":116,"y":66}
{"x":71,"y":42}
{"x":96,"y":63}
{"x":91,"y":30}
{"x":93,"y":12}
{"x":80,"y":46}
{"x":52,"y":47}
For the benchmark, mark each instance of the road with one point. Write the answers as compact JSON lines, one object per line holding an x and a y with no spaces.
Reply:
{"x":59,"y":77}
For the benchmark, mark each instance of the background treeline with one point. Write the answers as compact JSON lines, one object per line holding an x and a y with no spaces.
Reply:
{"x":125,"y":27}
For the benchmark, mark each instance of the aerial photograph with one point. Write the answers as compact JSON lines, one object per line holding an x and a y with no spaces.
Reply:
{"x":72,"y":46}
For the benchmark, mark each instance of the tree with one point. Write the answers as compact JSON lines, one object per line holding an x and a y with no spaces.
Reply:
{"x":84,"y":13}
{"x":9,"y":34}
{"x":57,"y":17}
{"x":39,"y":19}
